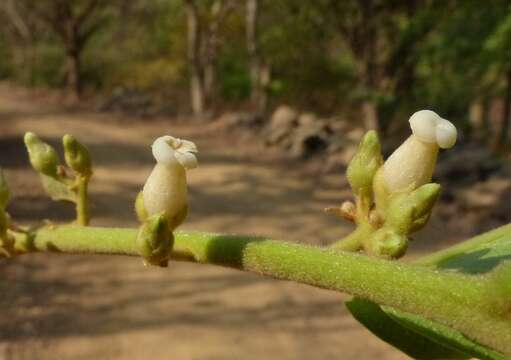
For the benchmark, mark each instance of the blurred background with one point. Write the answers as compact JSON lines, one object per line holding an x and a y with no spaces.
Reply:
{"x":276,"y":94}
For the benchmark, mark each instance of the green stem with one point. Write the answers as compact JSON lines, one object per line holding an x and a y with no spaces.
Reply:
{"x":82,"y":203}
{"x":452,"y":299}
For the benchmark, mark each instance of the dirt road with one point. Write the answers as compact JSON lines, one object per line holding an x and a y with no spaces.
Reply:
{"x":85,"y":307}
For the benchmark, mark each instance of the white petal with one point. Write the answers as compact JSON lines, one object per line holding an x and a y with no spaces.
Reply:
{"x":446,"y":134}
{"x":188,"y":146}
{"x":423,"y":124}
{"x":187,"y":159}
{"x":163,"y":152}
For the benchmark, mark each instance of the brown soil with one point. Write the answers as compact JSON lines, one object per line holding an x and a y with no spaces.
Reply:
{"x":92,"y":307}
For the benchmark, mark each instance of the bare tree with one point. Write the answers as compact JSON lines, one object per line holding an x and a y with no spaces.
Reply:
{"x":197,"y":94}
{"x":73,"y":22}
{"x":260,"y":71}
{"x":204,"y":37}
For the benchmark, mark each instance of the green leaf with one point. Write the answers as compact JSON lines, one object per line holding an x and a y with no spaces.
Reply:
{"x":389,"y":330}
{"x":56,"y":189}
{"x":425,"y":339}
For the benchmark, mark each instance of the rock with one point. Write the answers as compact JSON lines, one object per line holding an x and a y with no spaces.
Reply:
{"x":307,"y":119}
{"x":310,"y":138}
{"x":483,"y":195}
{"x":240,"y":119}
{"x":284,"y":116}
{"x":132,"y":101}
{"x":282,"y":123}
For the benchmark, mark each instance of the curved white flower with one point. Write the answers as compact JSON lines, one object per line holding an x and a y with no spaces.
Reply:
{"x":165,"y":190}
{"x":412,"y":164}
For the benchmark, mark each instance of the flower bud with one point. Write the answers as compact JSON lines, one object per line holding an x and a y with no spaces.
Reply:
{"x":165,"y":191}
{"x":77,"y":156}
{"x":364,"y":164}
{"x":155,"y":240}
{"x":413,"y":163}
{"x":43,"y":157}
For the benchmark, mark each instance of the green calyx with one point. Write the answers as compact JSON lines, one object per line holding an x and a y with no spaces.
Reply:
{"x":155,"y":241}
{"x":77,"y":156}
{"x":43,"y":157}
{"x":384,"y":219}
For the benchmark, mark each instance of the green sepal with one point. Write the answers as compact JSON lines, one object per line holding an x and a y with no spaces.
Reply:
{"x":155,"y":240}
{"x":408,"y":212}
{"x":77,"y":156}
{"x":386,"y":243}
{"x":43,"y":157}
{"x":364,"y":165}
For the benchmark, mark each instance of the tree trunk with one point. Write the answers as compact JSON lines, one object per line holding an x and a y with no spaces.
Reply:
{"x":252,"y":48}
{"x":369,"y":72}
{"x":73,"y":78}
{"x":213,"y":40}
{"x":260,"y":70}
{"x":197,"y":94}
{"x":506,"y":112}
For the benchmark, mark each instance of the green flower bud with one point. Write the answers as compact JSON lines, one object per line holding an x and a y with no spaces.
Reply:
{"x":77,"y":156}
{"x":4,"y":191}
{"x":365,"y":163}
{"x":43,"y":157}
{"x":155,"y":240}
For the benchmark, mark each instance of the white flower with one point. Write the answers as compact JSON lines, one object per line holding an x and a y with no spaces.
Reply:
{"x":413,"y":163}
{"x":165,"y":190}
{"x":168,"y":150}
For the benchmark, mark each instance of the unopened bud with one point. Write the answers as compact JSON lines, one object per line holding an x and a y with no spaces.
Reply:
{"x":165,"y":191}
{"x":364,"y":164}
{"x":155,"y":240}
{"x":43,"y":157}
{"x":77,"y":156}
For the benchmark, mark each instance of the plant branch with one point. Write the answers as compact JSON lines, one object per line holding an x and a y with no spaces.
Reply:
{"x":450,"y":298}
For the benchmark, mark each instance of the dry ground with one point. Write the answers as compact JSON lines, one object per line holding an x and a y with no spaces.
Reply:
{"x":85,"y":307}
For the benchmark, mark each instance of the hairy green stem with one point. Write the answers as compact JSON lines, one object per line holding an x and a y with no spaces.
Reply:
{"x":450,"y":298}
{"x":82,"y":202}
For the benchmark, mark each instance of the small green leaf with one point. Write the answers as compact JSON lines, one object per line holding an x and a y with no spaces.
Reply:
{"x":56,"y":189}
